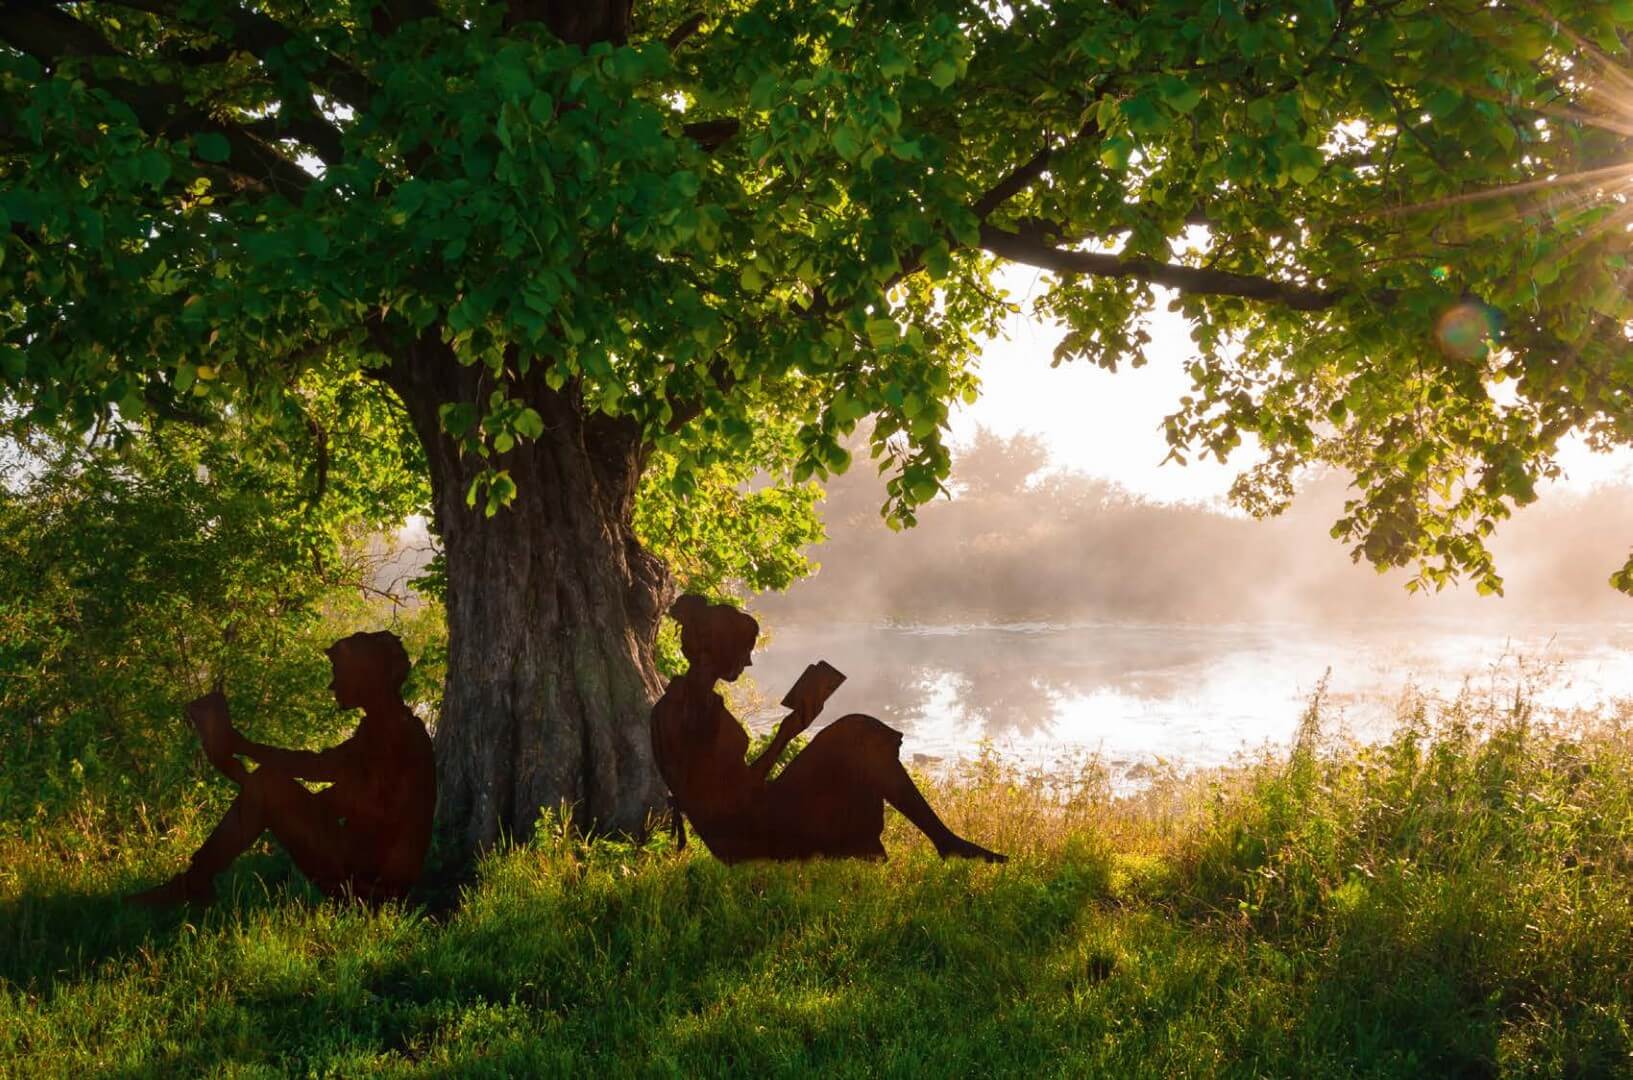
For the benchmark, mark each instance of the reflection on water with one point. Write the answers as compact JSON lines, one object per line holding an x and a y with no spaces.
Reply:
{"x":1193,"y":694}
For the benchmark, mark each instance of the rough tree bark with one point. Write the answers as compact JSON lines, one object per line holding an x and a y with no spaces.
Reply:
{"x":553,"y":606}
{"x":553,"y":610}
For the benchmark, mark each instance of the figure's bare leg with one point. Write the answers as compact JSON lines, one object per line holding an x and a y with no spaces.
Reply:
{"x":268,"y":800}
{"x":232,"y":769}
{"x":872,"y":753}
{"x":899,"y":791}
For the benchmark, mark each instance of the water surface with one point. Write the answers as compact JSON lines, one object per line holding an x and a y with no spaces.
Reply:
{"x":1191,"y":694}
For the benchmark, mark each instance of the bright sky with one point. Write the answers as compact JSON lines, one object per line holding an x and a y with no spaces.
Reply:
{"x":1110,"y":424}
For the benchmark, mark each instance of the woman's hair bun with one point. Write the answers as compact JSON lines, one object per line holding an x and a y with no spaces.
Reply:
{"x":688,"y":608}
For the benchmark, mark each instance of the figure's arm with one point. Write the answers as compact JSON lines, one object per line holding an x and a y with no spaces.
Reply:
{"x":792,"y":724}
{"x":327,"y":764}
{"x":222,"y":742}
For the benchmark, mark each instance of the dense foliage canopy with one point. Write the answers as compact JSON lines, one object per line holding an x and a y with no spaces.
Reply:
{"x":798,"y":205}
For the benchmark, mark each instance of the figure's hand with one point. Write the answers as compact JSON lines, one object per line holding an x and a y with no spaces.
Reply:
{"x":215,"y":732}
{"x":805,"y":712}
{"x":816,"y":701}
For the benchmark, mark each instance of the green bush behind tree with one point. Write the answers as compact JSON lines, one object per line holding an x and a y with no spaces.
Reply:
{"x":135,"y":575}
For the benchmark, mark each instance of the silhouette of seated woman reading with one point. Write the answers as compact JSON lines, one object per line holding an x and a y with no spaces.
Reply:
{"x":828,"y":801}
{"x":365,"y":834}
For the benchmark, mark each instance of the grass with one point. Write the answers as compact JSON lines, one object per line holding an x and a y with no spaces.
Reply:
{"x":1457,"y":901}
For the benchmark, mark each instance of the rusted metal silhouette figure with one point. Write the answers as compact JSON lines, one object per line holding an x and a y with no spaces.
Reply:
{"x":364,"y":835}
{"x":828,"y":801}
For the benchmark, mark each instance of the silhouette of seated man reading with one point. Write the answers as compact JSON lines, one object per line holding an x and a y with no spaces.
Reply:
{"x":364,"y":835}
{"x":828,"y":801}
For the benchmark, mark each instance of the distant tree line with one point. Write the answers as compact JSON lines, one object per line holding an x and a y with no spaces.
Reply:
{"x":1019,"y":539}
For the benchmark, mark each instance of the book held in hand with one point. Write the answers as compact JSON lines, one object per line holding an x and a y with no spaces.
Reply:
{"x":209,"y":717}
{"x":815,"y":685}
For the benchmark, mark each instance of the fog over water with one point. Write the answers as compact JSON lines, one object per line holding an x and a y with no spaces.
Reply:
{"x":1053,"y":614}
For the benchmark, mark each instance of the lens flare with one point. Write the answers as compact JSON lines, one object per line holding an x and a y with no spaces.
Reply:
{"x":1466,"y":330}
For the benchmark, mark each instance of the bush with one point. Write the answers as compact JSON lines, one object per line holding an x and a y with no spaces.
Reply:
{"x":130,"y":582}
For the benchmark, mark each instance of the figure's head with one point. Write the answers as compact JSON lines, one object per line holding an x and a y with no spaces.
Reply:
{"x":367,"y":666}
{"x":716,"y":638}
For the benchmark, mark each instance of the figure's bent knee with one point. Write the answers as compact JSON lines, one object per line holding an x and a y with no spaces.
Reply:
{"x":866,"y":729}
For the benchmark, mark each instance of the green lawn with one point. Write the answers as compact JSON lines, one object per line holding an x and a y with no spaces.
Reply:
{"x":1456,"y":902}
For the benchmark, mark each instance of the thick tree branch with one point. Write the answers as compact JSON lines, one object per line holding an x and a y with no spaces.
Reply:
{"x":678,"y":36}
{"x":258,"y":34}
{"x":389,"y":16}
{"x":1019,"y":179}
{"x":711,"y":134}
{"x":322,"y":138}
{"x":320,"y":448}
{"x":48,"y":35}
{"x":1185,"y":279}
{"x":577,"y":22}
{"x":51,"y":37}
{"x":684,"y":412}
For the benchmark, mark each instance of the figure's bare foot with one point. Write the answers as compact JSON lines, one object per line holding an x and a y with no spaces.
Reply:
{"x":179,"y":890}
{"x":960,"y":848}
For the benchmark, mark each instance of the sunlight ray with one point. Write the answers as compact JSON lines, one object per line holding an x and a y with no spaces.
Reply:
{"x":1486,"y":217}
{"x":1622,"y":171}
{"x":1620,"y":217}
{"x":1582,"y":116}
{"x":1590,"y":51}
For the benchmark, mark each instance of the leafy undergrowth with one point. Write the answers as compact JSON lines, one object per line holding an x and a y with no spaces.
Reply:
{"x":1457,"y":901}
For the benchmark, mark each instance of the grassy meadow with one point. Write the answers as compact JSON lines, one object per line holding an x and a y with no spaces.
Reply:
{"x":1457,"y":901}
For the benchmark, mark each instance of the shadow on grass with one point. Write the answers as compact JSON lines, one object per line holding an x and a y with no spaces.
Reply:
{"x":685,"y":966}
{"x":52,"y":940}
{"x":637,"y":965}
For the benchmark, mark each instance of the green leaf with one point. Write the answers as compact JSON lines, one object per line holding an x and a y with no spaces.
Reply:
{"x":883,"y":332}
{"x":922,"y":489}
{"x":1303,"y":163}
{"x":410,"y":196}
{"x":457,"y":418}
{"x":847,"y":139}
{"x":210,"y":146}
{"x":501,"y":490}
{"x":154,"y":167}
{"x":938,"y":261}
{"x":13,"y":363}
{"x":530,"y":423}
{"x":892,"y":61}
{"x":764,"y":91}
{"x":1141,"y":114}
{"x":1114,"y":152}
{"x":1178,"y":94}
{"x":944,"y":73}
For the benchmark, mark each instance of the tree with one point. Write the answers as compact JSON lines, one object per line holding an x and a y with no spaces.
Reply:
{"x":580,"y":241}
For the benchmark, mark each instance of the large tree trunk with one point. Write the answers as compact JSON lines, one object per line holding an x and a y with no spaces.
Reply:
{"x":553,"y":611}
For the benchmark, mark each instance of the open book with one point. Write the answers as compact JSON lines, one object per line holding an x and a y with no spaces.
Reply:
{"x":209,"y":717}
{"x":815,"y":685}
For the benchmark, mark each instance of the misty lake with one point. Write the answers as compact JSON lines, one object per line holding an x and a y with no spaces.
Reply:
{"x":1191,"y":694}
